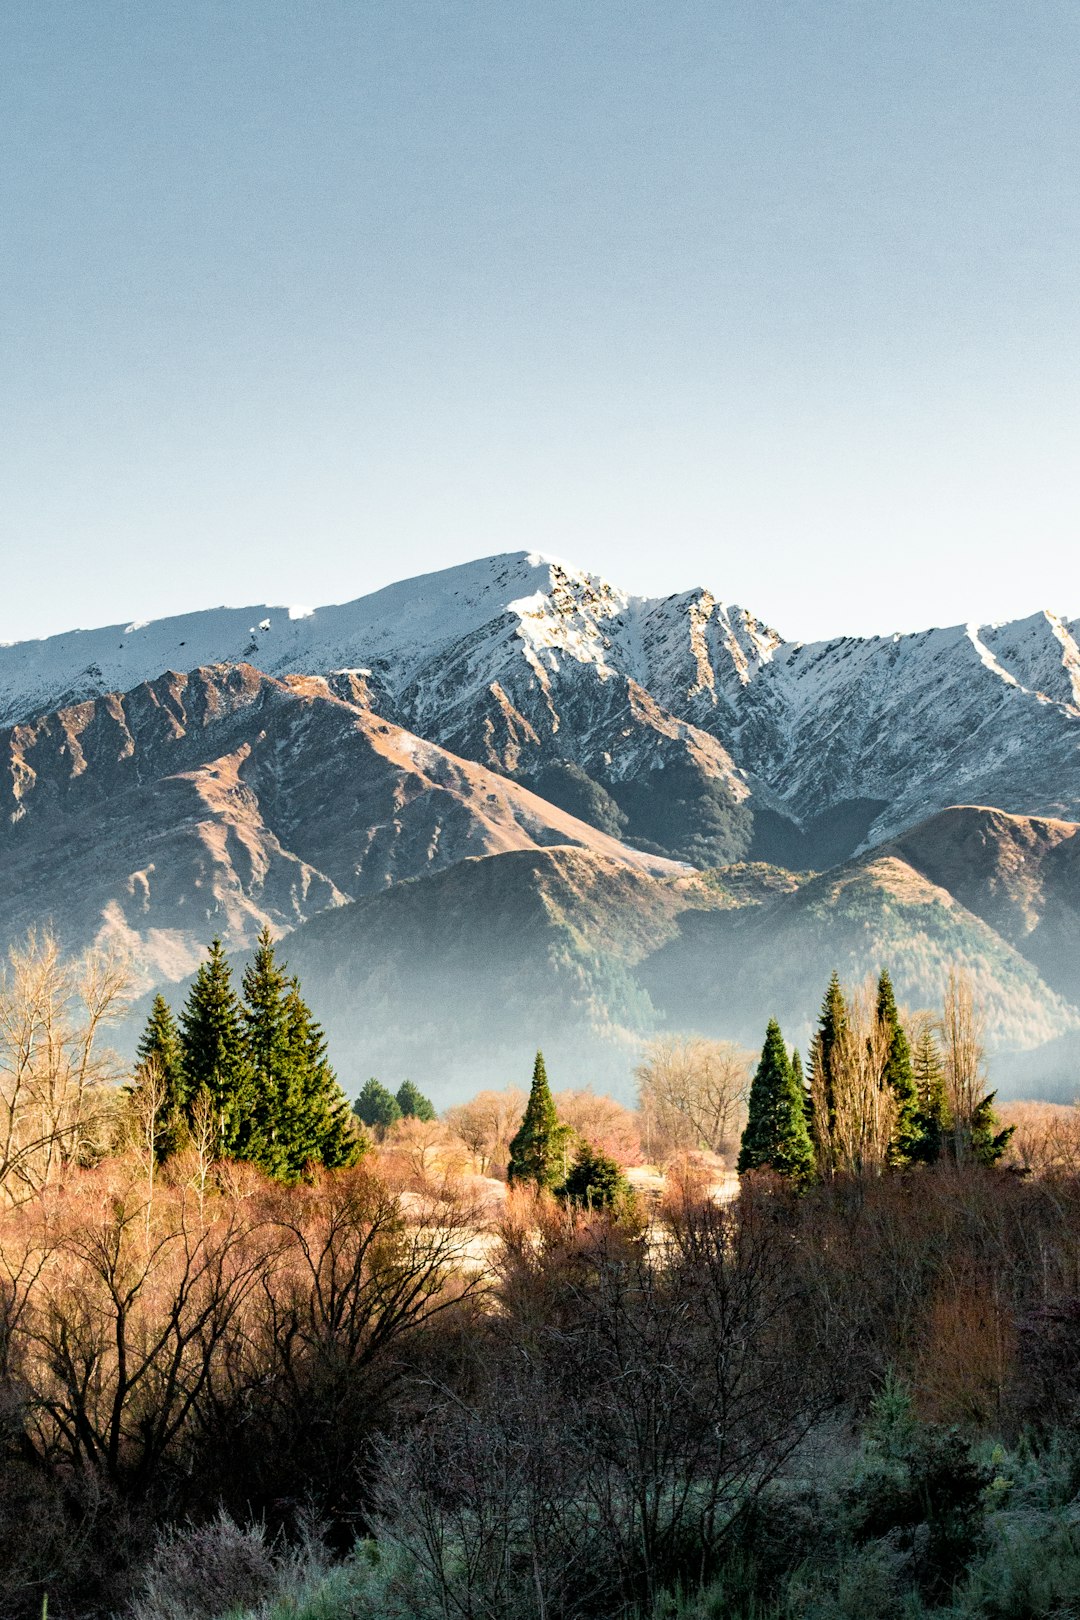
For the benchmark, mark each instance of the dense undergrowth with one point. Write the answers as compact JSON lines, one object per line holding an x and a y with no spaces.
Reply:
{"x":224,"y":1397}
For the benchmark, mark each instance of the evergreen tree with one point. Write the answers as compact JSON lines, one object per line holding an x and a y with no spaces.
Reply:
{"x":538,"y":1151}
{"x":932,"y":1106}
{"x":377,"y":1108}
{"x":988,"y":1143}
{"x":317,"y":1128}
{"x":413,"y":1103}
{"x":831,"y":1031}
{"x":160,"y":1063}
{"x":899,"y":1076}
{"x":215,"y":1054}
{"x":776,"y":1135}
{"x":595,"y":1182}
{"x":276,"y":1067}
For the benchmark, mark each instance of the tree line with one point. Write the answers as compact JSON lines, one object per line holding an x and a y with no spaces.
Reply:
{"x":243,"y":1076}
{"x":873,"y":1099}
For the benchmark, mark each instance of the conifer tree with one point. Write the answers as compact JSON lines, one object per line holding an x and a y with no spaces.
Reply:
{"x":276,"y":1068}
{"x":830,"y":1034}
{"x":776,"y":1135}
{"x":988,"y":1143}
{"x":377,"y":1108}
{"x":413,"y":1103}
{"x":215,"y":1053}
{"x":595,"y":1182}
{"x":538,"y":1151}
{"x":317,"y":1127}
{"x":899,"y":1076}
{"x":932,"y":1104}
{"x":160,"y":1063}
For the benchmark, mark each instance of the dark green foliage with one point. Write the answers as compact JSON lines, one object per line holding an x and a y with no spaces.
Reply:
{"x":319,"y":1128}
{"x":275,"y":1099}
{"x":274,"y":1069}
{"x":160,"y":1063}
{"x":899,"y":1076}
{"x":212,"y":1036}
{"x":413,"y":1103}
{"x":831,"y":1030}
{"x":924,"y":1490}
{"x":776,"y":1136}
{"x":573,"y":790}
{"x":377,"y":1108}
{"x":932,"y":1103}
{"x":988,"y":1143}
{"x":538,"y":1151}
{"x":595,"y":1182}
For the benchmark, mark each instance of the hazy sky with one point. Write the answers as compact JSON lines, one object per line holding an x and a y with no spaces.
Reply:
{"x":781,"y":297}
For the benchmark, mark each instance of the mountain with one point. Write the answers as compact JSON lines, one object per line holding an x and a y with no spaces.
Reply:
{"x":215,"y":802}
{"x":711,"y":736}
{"x":460,"y":976}
{"x":476,"y":799}
{"x":1020,"y":874}
{"x":734,"y":969}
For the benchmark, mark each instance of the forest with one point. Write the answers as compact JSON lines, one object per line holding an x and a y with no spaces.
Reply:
{"x":786,"y":1339}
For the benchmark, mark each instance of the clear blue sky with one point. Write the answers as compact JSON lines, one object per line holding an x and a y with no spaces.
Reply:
{"x":779,"y":297}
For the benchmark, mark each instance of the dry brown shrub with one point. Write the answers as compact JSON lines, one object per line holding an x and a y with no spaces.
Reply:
{"x":602,"y":1122}
{"x":963,"y":1370}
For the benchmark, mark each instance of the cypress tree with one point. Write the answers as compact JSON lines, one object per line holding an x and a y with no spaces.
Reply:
{"x":413,"y":1103}
{"x":377,"y":1108}
{"x":160,"y":1061}
{"x":215,"y":1053}
{"x":776,"y":1135}
{"x":538,"y":1151}
{"x":932,"y":1114}
{"x":899,"y":1076}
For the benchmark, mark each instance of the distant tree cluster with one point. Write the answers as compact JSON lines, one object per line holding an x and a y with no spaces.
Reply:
{"x":246,"y":1076}
{"x":380,"y":1109}
{"x":874,"y":1099}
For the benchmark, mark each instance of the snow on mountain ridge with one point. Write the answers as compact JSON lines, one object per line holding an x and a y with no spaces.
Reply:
{"x":519,"y":659}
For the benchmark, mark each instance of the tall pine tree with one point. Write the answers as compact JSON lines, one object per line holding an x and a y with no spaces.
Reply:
{"x":160,"y":1064}
{"x":831,"y":1032}
{"x":215,"y":1054}
{"x":776,"y":1136}
{"x":319,"y":1129}
{"x":275,"y":1076}
{"x":899,"y":1076}
{"x":934,"y":1122}
{"x":538,"y":1151}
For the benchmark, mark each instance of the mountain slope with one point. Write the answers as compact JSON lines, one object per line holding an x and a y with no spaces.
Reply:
{"x":221,"y":800}
{"x":1020,"y":874}
{"x":519,"y":661}
{"x":731,"y":971}
{"x":459,"y":977}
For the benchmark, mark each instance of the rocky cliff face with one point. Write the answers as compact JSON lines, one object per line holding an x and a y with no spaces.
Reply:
{"x":519,"y":660}
{"x":214,"y":802}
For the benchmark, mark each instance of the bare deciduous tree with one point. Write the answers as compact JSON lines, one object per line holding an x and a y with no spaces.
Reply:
{"x":487,"y":1124}
{"x":54,"y":1073}
{"x":853,"y":1107}
{"x":692,"y":1094}
{"x":963,"y":1050}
